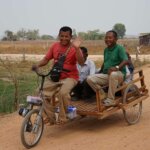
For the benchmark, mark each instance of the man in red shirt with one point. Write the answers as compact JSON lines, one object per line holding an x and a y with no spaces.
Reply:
{"x":69,"y":79}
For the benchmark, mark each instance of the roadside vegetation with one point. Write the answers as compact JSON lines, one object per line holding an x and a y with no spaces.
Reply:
{"x":95,"y":47}
{"x":16,"y":82}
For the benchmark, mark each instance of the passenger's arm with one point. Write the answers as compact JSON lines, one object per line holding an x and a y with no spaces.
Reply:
{"x":121,"y":65}
{"x":123,"y":56}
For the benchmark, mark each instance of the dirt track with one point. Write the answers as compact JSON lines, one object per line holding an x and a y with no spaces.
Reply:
{"x":111,"y":133}
{"x":19,"y":57}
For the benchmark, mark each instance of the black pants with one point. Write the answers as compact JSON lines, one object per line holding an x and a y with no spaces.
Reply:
{"x":83,"y":90}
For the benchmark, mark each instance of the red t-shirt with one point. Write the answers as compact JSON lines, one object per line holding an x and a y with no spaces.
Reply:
{"x":70,"y":62}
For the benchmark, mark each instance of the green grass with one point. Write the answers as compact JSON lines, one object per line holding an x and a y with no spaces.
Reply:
{"x":26,"y":83}
{"x":7,"y":91}
{"x":6,"y":96}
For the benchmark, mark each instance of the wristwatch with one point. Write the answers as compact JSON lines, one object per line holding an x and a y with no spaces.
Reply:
{"x":117,"y":67}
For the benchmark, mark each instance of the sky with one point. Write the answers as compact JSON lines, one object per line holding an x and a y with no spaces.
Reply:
{"x":83,"y":15}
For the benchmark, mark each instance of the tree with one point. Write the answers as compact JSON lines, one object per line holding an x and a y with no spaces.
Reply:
{"x":47,"y":37}
{"x":32,"y":34}
{"x":21,"y":34}
{"x":91,"y":35}
{"x":120,"y":29}
{"x":9,"y":36}
{"x":82,"y":35}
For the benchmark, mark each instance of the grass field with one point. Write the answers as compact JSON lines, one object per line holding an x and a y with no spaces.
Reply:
{"x":41,"y":47}
{"x":26,"y":84}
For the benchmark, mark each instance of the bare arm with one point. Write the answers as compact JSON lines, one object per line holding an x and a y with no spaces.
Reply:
{"x":121,"y":65}
{"x":76,"y":43}
{"x":43,"y":62}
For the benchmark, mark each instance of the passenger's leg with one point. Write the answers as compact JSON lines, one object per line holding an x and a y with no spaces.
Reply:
{"x":77,"y":90}
{"x":114,"y":80}
{"x":96,"y":81}
{"x":88,"y":92}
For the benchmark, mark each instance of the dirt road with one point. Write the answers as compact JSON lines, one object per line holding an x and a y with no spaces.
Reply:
{"x":111,"y":133}
{"x":19,"y":57}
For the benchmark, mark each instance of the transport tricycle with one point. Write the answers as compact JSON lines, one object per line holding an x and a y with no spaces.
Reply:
{"x":129,"y":101}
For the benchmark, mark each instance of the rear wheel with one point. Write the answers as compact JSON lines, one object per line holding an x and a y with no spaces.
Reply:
{"x":32,"y":128}
{"x":132,"y":114}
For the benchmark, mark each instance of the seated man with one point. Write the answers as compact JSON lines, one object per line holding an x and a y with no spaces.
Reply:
{"x":82,"y":89}
{"x":113,"y":70}
{"x":129,"y":66}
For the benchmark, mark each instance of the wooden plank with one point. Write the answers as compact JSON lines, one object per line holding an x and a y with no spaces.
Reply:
{"x":126,"y":106}
{"x":98,"y":100}
{"x":85,"y":106}
{"x":137,"y":71}
{"x":142,"y":80}
{"x":124,"y":86}
{"x":108,"y":112}
{"x":94,"y":113}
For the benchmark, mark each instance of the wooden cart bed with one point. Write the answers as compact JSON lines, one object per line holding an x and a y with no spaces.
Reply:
{"x":96,"y":108}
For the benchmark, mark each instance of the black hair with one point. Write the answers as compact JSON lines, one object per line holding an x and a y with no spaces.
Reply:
{"x":114,"y":33}
{"x":65,"y":29}
{"x":84,"y":49}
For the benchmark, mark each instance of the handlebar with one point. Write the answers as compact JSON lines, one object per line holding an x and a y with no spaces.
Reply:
{"x":45,"y":75}
{"x":34,"y":68}
{"x":40,"y":74}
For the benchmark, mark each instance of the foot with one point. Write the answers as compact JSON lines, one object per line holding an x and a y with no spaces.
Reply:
{"x":109,"y":102}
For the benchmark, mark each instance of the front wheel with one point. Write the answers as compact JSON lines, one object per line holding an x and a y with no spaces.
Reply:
{"x":32,"y":129}
{"x":133,"y":113}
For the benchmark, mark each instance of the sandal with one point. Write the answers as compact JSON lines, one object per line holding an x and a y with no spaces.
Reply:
{"x":109,"y":102}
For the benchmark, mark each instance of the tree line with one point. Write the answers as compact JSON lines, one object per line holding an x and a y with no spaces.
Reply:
{"x":24,"y":35}
{"x":34,"y":34}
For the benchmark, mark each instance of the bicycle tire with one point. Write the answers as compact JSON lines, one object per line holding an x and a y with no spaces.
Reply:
{"x":29,"y":128}
{"x":126,"y":112}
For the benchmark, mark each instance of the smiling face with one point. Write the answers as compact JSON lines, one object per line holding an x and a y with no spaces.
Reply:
{"x":110,"y":39}
{"x":65,"y":37}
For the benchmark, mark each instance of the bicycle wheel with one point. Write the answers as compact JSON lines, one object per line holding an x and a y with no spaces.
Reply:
{"x":32,"y":129}
{"x":133,"y":113}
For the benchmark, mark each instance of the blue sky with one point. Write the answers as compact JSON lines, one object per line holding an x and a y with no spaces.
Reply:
{"x":83,"y":15}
